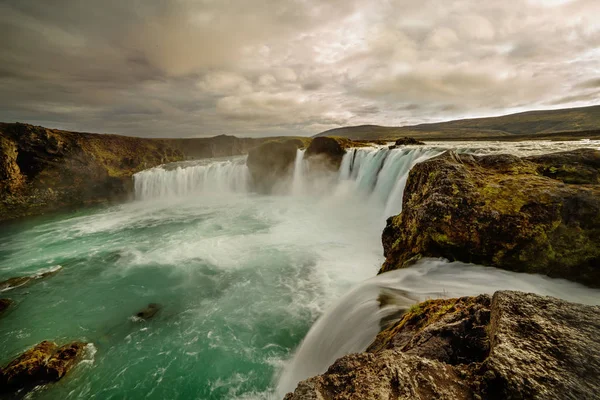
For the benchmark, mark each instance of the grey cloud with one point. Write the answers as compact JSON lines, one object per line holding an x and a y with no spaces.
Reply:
{"x":271,"y":67}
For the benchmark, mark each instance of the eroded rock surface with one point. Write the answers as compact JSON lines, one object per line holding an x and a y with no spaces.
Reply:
{"x":19,"y":281}
{"x":512,"y":346}
{"x":46,"y":362}
{"x":536,"y":214}
{"x":407,"y":141}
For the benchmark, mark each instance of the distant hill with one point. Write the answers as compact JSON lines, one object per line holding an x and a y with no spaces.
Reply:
{"x":553,"y":124}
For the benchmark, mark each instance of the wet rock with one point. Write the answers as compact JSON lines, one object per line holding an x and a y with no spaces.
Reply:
{"x":326,"y":151}
{"x":272,"y":163}
{"x":20,"y":281}
{"x":41,"y":364}
{"x":512,"y":346}
{"x":4,"y":304}
{"x":148,"y":312}
{"x":502,"y":211}
{"x":406,"y":141}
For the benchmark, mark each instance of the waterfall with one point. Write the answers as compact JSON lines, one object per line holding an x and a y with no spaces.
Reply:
{"x":378,"y":175}
{"x":187,"y":178}
{"x":299,"y":168}
{"x":352,"y":323}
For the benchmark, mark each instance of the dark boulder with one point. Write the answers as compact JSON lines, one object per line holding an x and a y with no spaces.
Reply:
{"x":4,"y":304}
{"x":272,"y":163}
{"x":502,"y":211}
{"x":407,"y":141}
{"x":41,"y":364}
{"x":326,"y":151}
{"x":512,"y":346}
{"x":148,"y":312}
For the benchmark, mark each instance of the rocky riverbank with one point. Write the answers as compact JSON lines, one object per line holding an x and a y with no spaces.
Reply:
{"x":509,"y":346}
{"x":43,"y":170}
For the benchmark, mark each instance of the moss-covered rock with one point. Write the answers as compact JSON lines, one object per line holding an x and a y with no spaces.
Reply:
{"x":510,"y":346}
{"x":536,"y":214}
{"x":44,"y":363}
{"x":42,"y":169}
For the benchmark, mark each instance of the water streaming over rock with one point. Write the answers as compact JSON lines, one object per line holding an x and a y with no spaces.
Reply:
{"x":241,"y":277}
{"x":352,"y":323}
{"x":187,"y":178}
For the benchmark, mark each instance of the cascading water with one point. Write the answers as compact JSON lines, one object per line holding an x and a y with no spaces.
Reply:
{"x":187,"y":178}
{"x":353,"y":322}
{"x":240,"y":277}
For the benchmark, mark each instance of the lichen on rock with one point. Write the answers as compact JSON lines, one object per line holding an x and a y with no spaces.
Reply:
{"x":502,"y":211}
{"x":44,"y":363}
{"x":510,"y":346}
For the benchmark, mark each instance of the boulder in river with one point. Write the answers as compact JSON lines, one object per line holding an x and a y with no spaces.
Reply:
{"x":148,"y":312}
{"x":44,"y":363}
{"x":537,"y":214}
{"x":510,"y":346}
{"x":19,"y":281}
{"x":4,"y":304}
{"x":407,"y":141}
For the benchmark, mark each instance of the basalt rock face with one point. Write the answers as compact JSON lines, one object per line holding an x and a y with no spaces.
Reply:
{"x":536,"y":214}
{"x":44,"y":363}
{"x":43,"y":169}
{"x":271,"y":163}
{"x":326,"y":152}
{"x":511,"y":346}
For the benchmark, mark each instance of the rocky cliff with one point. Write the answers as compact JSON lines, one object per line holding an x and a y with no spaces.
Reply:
{"x":47,"y":169}
{"x":537,"y":214}
{"x":510,"y":346}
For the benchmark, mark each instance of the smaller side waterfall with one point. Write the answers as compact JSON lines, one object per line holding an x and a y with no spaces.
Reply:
{"x":187,"y":178}
{"x":299,"y":172}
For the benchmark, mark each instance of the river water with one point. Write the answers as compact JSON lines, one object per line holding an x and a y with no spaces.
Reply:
{"x":240,"y":277}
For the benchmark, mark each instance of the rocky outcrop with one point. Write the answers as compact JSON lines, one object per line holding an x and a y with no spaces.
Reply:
{"x":407,"y":141}
{"x":536,"y":214}
{"x":148,"y":312}
{"x":43,"y":169}
{"x":19,"y":281}
{"x":512,"y":346}
{"x":272,"y":162}
{"x":326,"y":152}
{"x":44,"y":363}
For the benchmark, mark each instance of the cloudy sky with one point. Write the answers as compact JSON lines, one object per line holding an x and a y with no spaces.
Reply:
{"x":180,"y":68}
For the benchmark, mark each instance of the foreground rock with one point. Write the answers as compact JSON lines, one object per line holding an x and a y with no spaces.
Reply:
{"x":20,"y":281}
{"x":44,"y":363}
{"x":536,"y":214}
{"x":271,"y":163}
{"x":511,"y":346}
{"x":42,"y":169}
